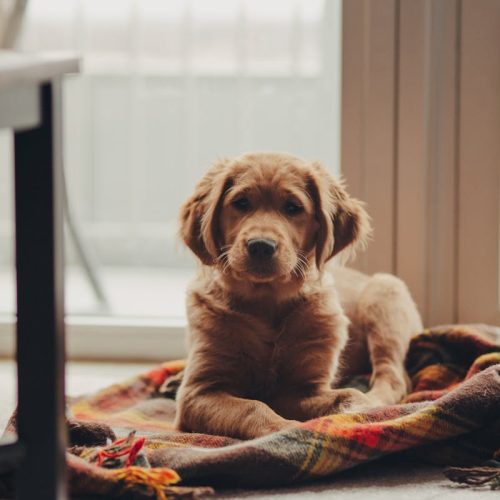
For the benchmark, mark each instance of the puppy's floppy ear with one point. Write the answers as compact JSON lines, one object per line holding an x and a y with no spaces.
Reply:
{"x":343,"y":222}
{"x":199,"y":216}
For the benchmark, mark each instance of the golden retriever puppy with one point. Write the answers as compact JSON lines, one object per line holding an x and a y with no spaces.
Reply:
{"x":271,"y":327}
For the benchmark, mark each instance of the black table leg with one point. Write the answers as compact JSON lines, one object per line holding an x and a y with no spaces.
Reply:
{"x":40,"y":307}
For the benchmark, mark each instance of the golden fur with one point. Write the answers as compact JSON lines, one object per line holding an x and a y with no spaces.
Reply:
{"x":269,"y":336}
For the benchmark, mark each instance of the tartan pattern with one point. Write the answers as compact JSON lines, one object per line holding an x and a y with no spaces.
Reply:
{"x":451,"y":417}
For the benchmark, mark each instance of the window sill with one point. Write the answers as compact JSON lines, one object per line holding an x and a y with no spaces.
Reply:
{"x":112,"y":338}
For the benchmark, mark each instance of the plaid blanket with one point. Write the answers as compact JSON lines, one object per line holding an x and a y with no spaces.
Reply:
{"x":451,"y":417}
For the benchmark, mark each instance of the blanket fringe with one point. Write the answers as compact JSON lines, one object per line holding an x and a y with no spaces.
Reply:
{"x":475,"y":476}
{"x":155,"y":480}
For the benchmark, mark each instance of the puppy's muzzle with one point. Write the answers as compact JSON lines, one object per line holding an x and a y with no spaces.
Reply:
{"x":261,"y":249}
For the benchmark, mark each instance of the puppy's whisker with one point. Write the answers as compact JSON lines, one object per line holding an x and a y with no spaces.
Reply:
{"x":223,"y":259}
{"x":302,"y":256}
{"x":301,"y":267}
{"x":225,"y":267}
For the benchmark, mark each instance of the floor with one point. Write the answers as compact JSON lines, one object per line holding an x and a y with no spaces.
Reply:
{"x":375,"y":481}
{"x":372,"y":481}
{"x":81,"y":378}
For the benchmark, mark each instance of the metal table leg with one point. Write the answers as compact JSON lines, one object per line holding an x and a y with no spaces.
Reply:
{"x":40,"y":306}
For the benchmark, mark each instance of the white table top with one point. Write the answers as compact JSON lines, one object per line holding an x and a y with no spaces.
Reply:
{"x":17,"y":67}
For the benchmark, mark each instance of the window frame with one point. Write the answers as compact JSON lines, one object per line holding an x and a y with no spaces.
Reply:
{"x":112,"y":338}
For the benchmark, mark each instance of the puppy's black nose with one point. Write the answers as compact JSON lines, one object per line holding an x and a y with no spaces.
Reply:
{"x":261,"y":248}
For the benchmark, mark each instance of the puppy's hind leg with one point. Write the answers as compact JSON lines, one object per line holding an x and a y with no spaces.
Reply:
{"x":390,"y":318}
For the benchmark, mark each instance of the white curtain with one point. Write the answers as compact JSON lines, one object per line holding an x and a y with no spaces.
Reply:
{"x":170,"y":85}
{"x":278,"y":37}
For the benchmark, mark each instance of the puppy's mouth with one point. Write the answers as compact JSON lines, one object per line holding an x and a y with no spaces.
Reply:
{"x":259,"y":273}
{"x":260,"y":267}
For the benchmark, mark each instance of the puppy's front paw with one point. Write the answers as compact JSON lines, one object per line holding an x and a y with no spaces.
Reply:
{"x":278,"y":426}
{"x":350,"y":401}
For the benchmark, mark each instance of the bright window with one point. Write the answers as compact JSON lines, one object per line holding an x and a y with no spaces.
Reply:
{"x":168,"y":86}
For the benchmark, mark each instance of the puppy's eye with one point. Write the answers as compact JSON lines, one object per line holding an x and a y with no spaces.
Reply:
{"x":292,"y":208}
{"x":241,"y":204}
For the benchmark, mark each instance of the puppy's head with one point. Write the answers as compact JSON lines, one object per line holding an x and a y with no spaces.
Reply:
{"x":266,"y":218}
